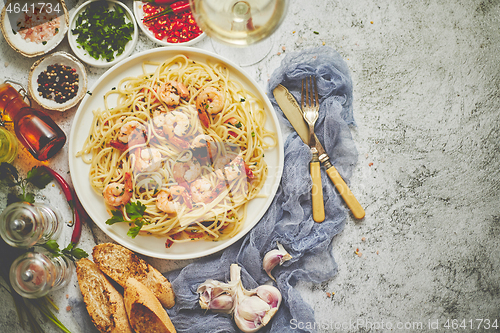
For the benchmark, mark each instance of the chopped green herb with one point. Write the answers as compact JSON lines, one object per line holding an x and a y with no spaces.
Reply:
{"x":135,"y":211}
{"x":88,"y":92}
{"x":316,"y":33}
{"x":242,"y":100}
{"x":102,"y":32}
{"x":57,"y":30}
{"x":14,"y":32}
{"x":44,"y":42}
{"x":253,"y":134}
{"x":114,"y":88}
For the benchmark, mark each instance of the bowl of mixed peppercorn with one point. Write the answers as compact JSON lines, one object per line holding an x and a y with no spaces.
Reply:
{"x":167,"y":22}
{"x":57,"y":82}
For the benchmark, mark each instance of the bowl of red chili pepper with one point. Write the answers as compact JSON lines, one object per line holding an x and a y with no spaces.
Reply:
{"x":167,"y":22}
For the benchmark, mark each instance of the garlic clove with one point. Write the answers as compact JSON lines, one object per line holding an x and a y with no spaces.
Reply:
{"x":253,"y":308}
{"x":216,"y":295}
{"x":246,"y":326}
{"x":223,"y":303}
{"x":269,"y":294}
{"x":273,"y":258}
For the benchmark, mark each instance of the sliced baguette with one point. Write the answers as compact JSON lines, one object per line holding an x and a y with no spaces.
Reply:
{"x":120,"y":264}
{"x":144,"y":310}
{"x":104,"y":303}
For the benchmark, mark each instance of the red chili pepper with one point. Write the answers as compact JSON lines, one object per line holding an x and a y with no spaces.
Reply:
{"x":73,"y":202}
{"x":177,"y":7}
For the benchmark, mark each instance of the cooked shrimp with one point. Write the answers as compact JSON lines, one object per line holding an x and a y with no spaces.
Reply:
{"x":175,"y":126}
{"x":172,"y":92}
{"x":209,"y":101}
{"x":148,"y":159}
{"x":165,"y":203}
{"x":186,"y":171}
{"x":132,"y":132}
{"x":164,"y":199}
{"x":117,"y":194}
{"x":201,"y":191}
{"x":204,"y":146}
{"x":172,"y":123}
{"x":229,"y":167}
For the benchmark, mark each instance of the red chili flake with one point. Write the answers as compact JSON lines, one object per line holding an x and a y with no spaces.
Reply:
{"x":370,"y":164}
{"x":68,"y":308}
{"x":172,"y":27}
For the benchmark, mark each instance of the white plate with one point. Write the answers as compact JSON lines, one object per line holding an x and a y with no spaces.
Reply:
{"x":83,"y":55}
{"x":41,"y":65}
{"x":151,"y":245}
{"x":139,"y":15}
{"x":13,"y":10}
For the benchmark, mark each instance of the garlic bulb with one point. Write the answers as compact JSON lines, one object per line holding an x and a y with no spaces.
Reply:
{"x":273,"y":258}
{"x":252,"y":309}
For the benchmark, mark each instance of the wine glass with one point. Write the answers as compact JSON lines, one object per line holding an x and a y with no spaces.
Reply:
{"x":239,"y":28}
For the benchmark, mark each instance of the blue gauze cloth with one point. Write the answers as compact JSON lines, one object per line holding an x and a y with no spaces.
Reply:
{"x":289,"y":218}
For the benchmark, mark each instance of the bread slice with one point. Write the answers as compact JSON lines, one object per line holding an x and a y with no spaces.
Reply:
{"x":145,"y":312}
{"x":120,"y":263}
{"x":104,"y":303}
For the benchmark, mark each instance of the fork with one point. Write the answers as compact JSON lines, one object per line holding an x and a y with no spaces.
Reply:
{"x":310,"y":112}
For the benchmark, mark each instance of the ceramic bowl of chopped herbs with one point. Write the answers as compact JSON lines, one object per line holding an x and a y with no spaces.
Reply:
{"x":102,"y":33}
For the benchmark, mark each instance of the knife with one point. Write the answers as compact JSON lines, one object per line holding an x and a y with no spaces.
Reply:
{"x":293,"y":113}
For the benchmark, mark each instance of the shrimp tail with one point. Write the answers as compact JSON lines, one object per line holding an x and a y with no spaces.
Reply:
{"x":128,"y":189}
{"x":203,"y":115}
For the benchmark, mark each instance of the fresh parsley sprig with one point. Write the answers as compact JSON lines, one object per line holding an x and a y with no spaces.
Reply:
{"x":10,"y":177}
{"x":135,"y":213}
{"x":71,"y":252}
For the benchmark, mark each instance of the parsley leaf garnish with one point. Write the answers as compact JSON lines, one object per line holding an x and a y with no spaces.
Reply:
{"x":10,"y":177}
{"x":135,"y":212}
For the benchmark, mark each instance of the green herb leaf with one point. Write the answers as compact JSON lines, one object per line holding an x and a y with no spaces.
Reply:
{"x":28,"y":197}
{"x":117,"y":217}
{"x":8,"y":173}
{"x":52,"y":246}
{"x":316,"y":32}
{"x":79,"y":253}
{"x":135,"y":210}
{"x":38,"y":177}
{"x":134,"y":231}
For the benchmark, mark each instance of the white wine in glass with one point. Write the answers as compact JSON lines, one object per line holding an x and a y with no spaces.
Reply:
{"x":240,"y":23}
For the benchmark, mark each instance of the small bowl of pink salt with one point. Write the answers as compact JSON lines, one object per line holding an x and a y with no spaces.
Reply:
{"x":34,"y":28}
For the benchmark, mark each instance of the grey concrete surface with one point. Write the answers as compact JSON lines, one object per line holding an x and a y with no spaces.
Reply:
{"x":426,"y":100}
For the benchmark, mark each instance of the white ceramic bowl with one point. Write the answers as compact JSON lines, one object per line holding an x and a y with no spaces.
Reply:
{"x":15,"y":10}
{"x":41,"y":65}
{"x":139,"y":15}
{"x":83,"y":55}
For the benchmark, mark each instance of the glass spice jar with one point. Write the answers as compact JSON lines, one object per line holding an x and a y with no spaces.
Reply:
{"x":35,"y":129}
{"x":35,"y":274}
{"x":24,"y":225}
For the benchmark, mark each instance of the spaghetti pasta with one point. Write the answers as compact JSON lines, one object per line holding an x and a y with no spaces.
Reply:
{"x":185,"y":144}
